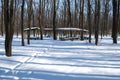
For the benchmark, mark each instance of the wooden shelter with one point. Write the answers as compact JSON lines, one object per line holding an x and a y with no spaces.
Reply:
{"x":61,"y":32}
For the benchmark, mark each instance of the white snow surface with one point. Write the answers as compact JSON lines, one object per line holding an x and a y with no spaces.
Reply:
{"x":61,"y":60}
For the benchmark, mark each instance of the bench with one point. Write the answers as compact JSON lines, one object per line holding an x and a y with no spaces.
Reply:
{"x":86,"y":38}
{"x":34,"y":38}
{"x":68,"y":38}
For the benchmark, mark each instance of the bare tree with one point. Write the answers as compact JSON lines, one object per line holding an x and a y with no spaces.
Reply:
{"x":118,"y":15}
{"x":40,"y":18}
{"x":9,"y":29}
{"x":69,"y":14}
{"x":69,"y":17}
{"x":81,"y":16}
{"x":75,"y":13}
{"x":106,"y":10}
{"x":96,"y":20}
{"x":29,"y":3}
{"x":54,"y":21}
{"x":16,"y":15}
{"x":114,"y":28}
{"x":22,"y":22}
{"x":89,"y":20}
{"x":65,"y":12}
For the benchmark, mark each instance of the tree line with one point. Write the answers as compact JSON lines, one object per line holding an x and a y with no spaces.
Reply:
{"x":99,"y":17}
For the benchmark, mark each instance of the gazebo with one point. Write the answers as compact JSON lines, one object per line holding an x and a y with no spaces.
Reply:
{"x":60,"y":32}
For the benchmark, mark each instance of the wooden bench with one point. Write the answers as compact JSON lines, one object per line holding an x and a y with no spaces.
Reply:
{"x":34,"y":38}
{"x":69,"y":38}
{"x":86,"y":38}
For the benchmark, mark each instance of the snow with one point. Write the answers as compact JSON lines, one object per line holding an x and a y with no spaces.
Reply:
{"x":32,"y":28}
{"x":61,"y":60}
{"x":60,"y":29}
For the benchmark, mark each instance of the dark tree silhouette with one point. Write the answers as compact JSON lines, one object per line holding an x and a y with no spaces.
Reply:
{"x":97,"y":20}
{"x":54,"y":21}
{"x":114,"y":27}
{"x":9,"y":29}
{"x":22,"y":22}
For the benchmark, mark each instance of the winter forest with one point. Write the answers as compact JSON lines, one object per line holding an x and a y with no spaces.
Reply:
{"x":64,"y":30}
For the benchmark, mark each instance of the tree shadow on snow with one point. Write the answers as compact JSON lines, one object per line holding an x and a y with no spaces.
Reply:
{"x":48,"y":75}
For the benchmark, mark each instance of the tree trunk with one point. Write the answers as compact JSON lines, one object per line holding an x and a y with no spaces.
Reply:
{"x":114,"y":27}
{"x":9,"y":29}
{"x":29,"y":20}
{"x":54,"y":22}
{"x":105,"y":18}
{"x":97,"y":18}
{"x":118,"y":15}
{"x":89,"y":20}
{"x":75,"y":13}
{"x":69,"y":17}
{"x":40,"y":19}
{"x":81,"y":18}
{"x":65,"y":13}
{"x":22,"y":22}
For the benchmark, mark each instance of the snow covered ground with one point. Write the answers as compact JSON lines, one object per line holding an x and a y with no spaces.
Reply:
{"x":61,"y":60}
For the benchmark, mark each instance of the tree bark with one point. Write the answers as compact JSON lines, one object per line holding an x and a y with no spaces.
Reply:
{"x":114,"y":27}
{"x":9,"y":29}
{"x":40,"y":19}
{"x":97,"y":18}
{"x":69,"y":17}
{"x":22,"y":22}
{"x":75,"y":13}
{"x":89,"y":20}
{"x":118,"y":14}
{"x":65,"y":13}
{"x":81,"y":18}
{"x":54,"y":22}
{"x":29,"y":20}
